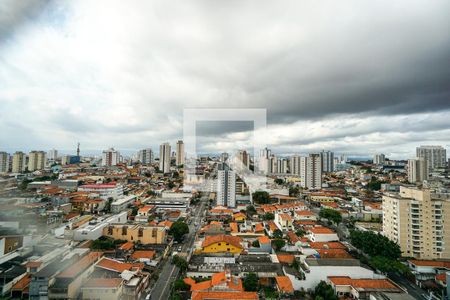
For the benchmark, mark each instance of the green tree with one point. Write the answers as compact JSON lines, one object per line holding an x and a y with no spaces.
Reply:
{"x":178,"y":230}
{"x":261,"y":197}
{"x":180,"y":262}
{"x":324,"y":291}
{"x":102,"y":244}
{"x":300,"y":232}
{"x":294,"y":191}
{"x":268,"y":216}
{"x":250,"y":210}
{"x":331,"y":214}
{"x":375,"y":244}
{"x":277,"y":234}
{"x":180,"y":285}
{"x":278,"y":244}
{"x":250,"y":282}
{"x":255,"y":243}
{"x":279,"y":181}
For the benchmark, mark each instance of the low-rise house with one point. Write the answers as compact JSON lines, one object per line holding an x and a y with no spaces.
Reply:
{"x":362,"y":288}
{"x":322,"y":234}
{"x":222,"y":244}
{"x":144,"y":234}
{"x":143,"y":213}
{"x":284,"y":285}
{"x":283,"y":221}
{"x":102,"y":289}
{"x":304,"y":215}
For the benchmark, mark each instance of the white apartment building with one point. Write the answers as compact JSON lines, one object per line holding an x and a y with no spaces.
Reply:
{"x":105,"y":191}
{"x":415,"y":219}
{"x":436,"y":156}
{"x":36,"y":160}
{"x":110,"y":157}
{"x":4,"y":162}
{"x":226,"y":188}
{"x":179,"y":159}
{"x":379,"y":159}
{"x":264,"y":163}
{"x":327,"y":160}
{"x":52,"y":155}
{"x":295,"y":165}
{"x":282,"y":165}
{"x":164,"y":158}
{"x":145,"y":156}
{"x":311,"y":171}
{"x":19,"y":162}
{"x":417,"y":170}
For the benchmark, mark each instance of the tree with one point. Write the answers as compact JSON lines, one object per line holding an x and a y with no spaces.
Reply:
{"x":300,"y":232}
{"x":180,"y":285}
{"x":255,"y":243}
{"x":250,"y":210}
{"x":261,"y":197}
{"x":268,"y":216}
{"x":294,"y":191}
{"x":277,"y":234}
{"x":374,"y":184}
{"x":278,"y":244}
{"x":375,"y":244}
{"x":102,"y":244}
{"x":178,"y":230}
{"x":279,"y":181}
{"x":180,"y":262}
{"x":331,"y":214}
{"x":250,"y":282}
{"x":324,"y":291}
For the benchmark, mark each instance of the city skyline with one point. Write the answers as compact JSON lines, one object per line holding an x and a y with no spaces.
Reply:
{"x":367,"y":90}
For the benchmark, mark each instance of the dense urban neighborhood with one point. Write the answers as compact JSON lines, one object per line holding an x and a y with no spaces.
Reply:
{"x":320,"y":226}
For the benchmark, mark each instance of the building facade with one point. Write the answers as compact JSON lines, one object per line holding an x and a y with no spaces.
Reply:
{"x":435,"y":156}
{"x":164,"y":158}
{"x":4,"y":162}
{"x":327,"y":160}
{"x":414,"y":219}
{"x":145,"y":156}
{"x":311,"y":171}
{"x":379,"y":159}
{"x":18,"y":162}
{"x":226,"y":188}
{"x":417,"y":170}
{"x":179,"y":159}
{"x":110,"y":157}
{"x":36,"y":160}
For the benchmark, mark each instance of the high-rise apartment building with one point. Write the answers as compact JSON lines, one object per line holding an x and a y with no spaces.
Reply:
{"x":436,"y":156}
{"x":110,"y":157}
{"x":226,"y":188}
{"x":264,"y":162}
{"x":327,"y":158}
{"x":282,"y":165}
{"x":179,"y":159}
{"x":52,"y":155}
{"x":145,"y":156}
{"x":417,"y":170}
{"x":294,"y":165}
{"x":36,"y":160}
{"x":18,"y":162}
{"x":379,"y":159}
{"x":242,"y":160}
{"x":164,"y":157}
{"x":414,"y":219}
{"x":311,"y":171}
{"x":4,"y":162}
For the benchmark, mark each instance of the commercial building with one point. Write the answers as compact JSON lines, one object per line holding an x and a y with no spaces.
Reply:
{"x":144,"y":234}
{"x":379,"y":159}
{"x":19,"y":162}
{"x":417,"y":170}
{"x":226,"y":188}
{"x":436,"y":156}
{"x":122,"y":204}
{"x":36,"y":160}
{"x":164,"y":158}
{"x":104,"y":191}
{"x":110,"y":157}
{"x":311,"y":171}
{"x":414,"y":219}
{"x":94,"y":229}
{"x":145,"y":156}
{"x":179,"y":159}
{"x":4,"y":162}
{"x":327,"y":160}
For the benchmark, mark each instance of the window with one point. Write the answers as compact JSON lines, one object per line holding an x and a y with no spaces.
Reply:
{"x":124,"y":230}
{"x":141,"y":232}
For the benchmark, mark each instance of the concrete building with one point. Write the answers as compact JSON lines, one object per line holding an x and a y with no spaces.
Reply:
{"x":110,"y":157}
{"x":242,"y":160}
{"x":122,"y":204}
{"x":226,"y":188}
{"x":36,"y":160}
{"x":18,"y":162}
{"x":164,"y":158}
{"x":379,"y":159}
{"x":436,"y":156}
{"x":282,"y":166}
{"x":145,"y":234}
{"x":52,"y":155}
{"x":311,"y":171}
{"x":4,"y":162}
{"x":264,"y":161}
{"x":179,"y":159}
{"x":94,"y":228}
{"x":327,"y":160}
{"x":414,"y":218}
{"x":295,"y":165}
{"x":104,"y":191}
{"x":417,"y":170}
{"x":145,"y":156}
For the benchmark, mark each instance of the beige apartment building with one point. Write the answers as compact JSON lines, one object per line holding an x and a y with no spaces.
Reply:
{"x":414,"y":218}
{"x":36,"y":160}
{"x":18,"y":162}
{"x":132,"y":233}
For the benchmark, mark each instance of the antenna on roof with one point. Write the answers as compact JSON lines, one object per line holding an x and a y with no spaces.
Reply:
{"x":78,"y":149}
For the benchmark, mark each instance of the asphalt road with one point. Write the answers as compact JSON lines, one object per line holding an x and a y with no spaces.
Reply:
{"x":169,"y":272}
{"x":413,"y":290}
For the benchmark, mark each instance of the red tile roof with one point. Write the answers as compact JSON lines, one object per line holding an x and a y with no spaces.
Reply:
{"x":225,"y":296}
{"x":284,"y":284}
{"x":232,"y":240}
{"x":143,"y":254}
{"x":286,"y":258}
{"x":103,"y":283}
{"x":383,"y":284}
{"x":81,"y":265}
{"x":117,"y":266}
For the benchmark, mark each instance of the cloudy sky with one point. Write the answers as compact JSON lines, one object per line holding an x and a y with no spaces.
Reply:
{"x":356,"y":77}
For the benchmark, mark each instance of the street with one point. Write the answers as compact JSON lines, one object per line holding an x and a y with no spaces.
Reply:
{"x":169,"y":272}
